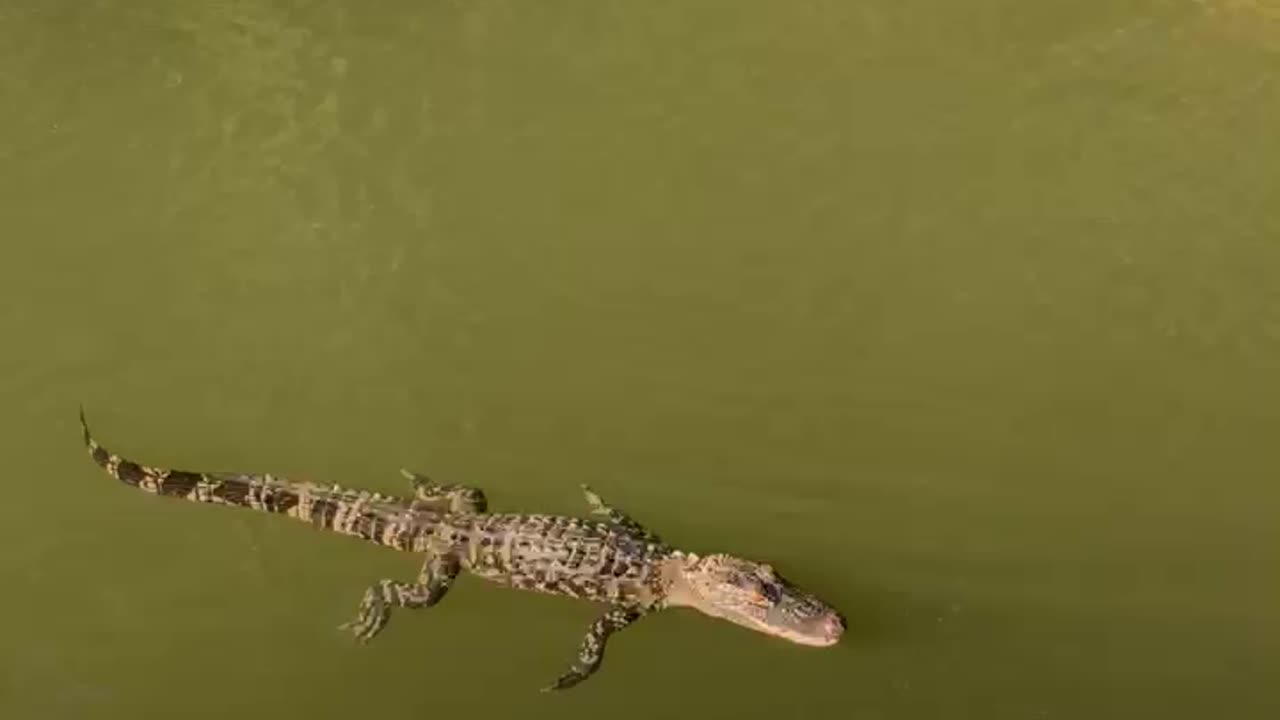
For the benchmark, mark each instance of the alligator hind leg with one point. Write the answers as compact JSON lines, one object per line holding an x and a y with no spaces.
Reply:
{"x":456,"y":498}
{"x":592,"y":651}
{"x":434,"y":580}
{"x":616,"y":516}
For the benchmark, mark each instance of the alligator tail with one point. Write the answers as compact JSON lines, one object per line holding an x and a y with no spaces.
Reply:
{"x":332,"y":508}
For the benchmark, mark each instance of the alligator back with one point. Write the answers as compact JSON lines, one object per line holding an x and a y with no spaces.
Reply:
{"x":559,"y":554}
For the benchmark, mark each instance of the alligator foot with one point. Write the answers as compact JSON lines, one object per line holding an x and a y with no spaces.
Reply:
{"x":616,"y":516}
{"x":456,"y":498}
{"x":592,"y":651}
{"x":434,"y":580}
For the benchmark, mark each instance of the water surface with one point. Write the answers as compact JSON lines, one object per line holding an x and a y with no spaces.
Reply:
{"x":964,"y":315}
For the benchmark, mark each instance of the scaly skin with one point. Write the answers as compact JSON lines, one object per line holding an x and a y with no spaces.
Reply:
{"x":613,"y":560}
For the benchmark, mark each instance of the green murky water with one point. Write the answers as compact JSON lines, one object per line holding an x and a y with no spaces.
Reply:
{"x":965,"y":315}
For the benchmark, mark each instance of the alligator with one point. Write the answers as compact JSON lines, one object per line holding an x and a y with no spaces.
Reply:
{"x":610,"y":558}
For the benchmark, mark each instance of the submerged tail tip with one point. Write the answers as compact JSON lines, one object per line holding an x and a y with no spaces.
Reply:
{"x":84,"y":427}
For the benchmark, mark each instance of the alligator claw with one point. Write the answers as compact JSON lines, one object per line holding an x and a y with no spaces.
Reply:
{"x":565,"y":681}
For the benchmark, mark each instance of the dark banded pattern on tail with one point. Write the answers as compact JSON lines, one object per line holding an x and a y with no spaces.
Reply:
{"x":377,"y":518}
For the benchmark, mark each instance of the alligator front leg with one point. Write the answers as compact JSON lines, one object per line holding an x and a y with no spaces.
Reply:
{"x":616,"y":516}
{"x":434,"y":580}
{"x":592,"y":651}
{"x":456,"y":498}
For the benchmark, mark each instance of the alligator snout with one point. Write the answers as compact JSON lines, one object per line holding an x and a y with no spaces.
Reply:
{"x":833,"y":627}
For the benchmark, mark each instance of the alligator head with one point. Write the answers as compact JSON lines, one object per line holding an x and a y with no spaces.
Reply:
{"x":753,"y":595}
